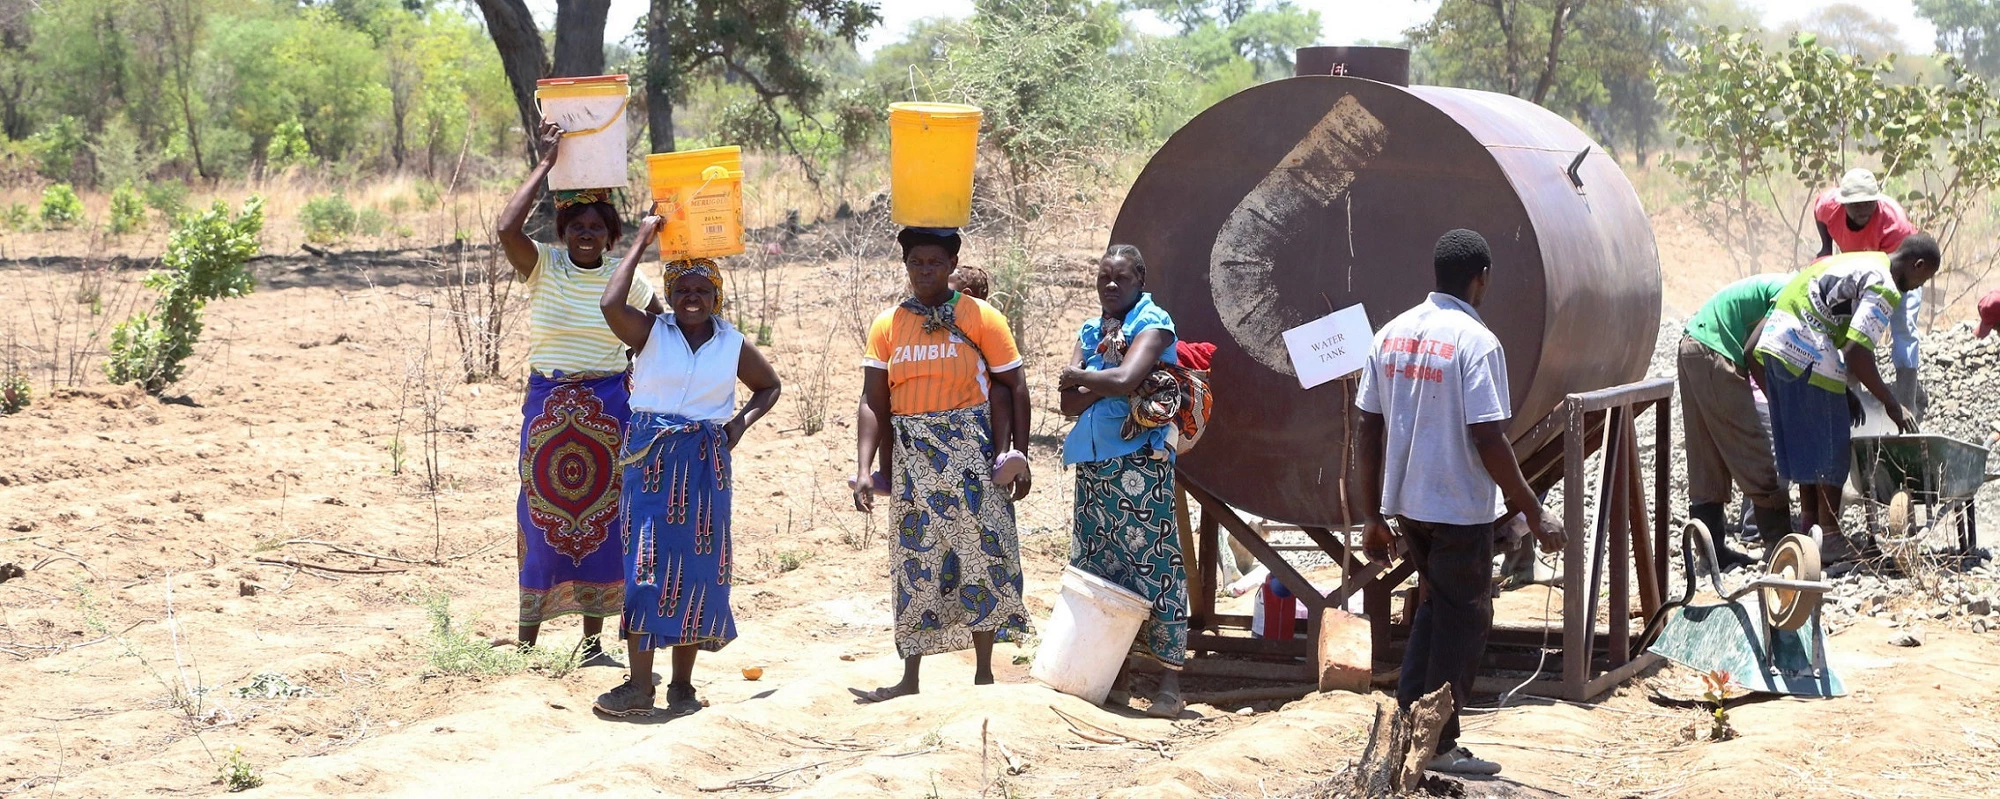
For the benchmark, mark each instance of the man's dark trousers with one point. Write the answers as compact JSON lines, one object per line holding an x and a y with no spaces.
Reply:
{"x":1449,"y":633}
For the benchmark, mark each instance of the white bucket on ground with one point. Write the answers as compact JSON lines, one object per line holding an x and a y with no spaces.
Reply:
{"x":1088,"y":636}
{"x":592,"y":112}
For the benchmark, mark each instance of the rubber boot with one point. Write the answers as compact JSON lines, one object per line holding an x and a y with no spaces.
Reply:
{"x":1710,"y":514}
{"x":1773,"y":524}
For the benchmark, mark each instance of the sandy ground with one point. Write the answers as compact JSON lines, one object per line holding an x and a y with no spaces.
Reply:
{"x":158,"y":534}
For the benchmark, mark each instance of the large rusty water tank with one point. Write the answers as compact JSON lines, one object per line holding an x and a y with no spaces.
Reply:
{"x":1301,"y":196}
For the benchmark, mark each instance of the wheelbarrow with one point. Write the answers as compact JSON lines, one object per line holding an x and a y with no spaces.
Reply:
{"x":1767,"y":633}
{"x":1938,"y":475}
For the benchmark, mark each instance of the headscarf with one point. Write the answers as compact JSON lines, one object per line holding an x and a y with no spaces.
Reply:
{"x":568,"y":197}
{"x":705,"y":267}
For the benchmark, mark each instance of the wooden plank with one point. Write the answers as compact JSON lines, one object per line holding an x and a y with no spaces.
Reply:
{"x":1642,"y":536}
{"x":1207,"y":540}
{"x":1663,"y":475}
{"x":1232,"y":668}
{"x":1616,"y":677}
{"x":1626,"y":395}
{"x":1247,"y":695}
{"x":1237,"y":621}
{"x":1210,"y":642}
{"x":1290,"y":577}
{"x":1609,"y":468}
{"x":1576,"y":670}
{"x":1619,"y":531}
{"x":1250,"y":670}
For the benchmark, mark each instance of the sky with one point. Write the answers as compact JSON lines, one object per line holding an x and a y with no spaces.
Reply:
{"x":1342,"y":21}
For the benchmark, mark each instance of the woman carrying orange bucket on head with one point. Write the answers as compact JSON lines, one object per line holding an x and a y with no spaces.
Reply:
{"x":575,"y":412}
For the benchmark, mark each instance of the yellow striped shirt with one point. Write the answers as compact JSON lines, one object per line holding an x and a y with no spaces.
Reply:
{"x":566,"y":330}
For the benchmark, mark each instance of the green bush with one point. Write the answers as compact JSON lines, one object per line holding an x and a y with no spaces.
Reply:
{"x":169,"y":197}
{"x":15,"y":392}
{"x":371,"y":222}
{"x":18,"y":218}
{"x":289,"y":147}
{"x":328,"y":219}
{"x":61,"y":207}
{"x":205,"y":260}
{"x":451,"y":651}
{"x":428,"y":194}
{"x":55,"y":148}
{"x":128,"y":210}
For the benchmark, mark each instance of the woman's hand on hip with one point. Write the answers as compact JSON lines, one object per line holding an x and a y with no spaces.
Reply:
{"x":733,"y":432}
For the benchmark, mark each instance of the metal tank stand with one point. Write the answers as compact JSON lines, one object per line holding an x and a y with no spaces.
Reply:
{"x":1609,"y":554}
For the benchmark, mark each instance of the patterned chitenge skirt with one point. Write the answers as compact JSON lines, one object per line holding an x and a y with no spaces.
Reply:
{"x":571,"y":433}
{"x":1125,"y":533}
{"x":955,"y":560}
{"x":677,"y":551}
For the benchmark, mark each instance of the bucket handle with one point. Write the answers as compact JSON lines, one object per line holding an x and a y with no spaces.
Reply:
{"x":600,"y":128}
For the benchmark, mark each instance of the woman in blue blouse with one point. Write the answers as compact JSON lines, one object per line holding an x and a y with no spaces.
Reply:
{"x":1125,"y":529}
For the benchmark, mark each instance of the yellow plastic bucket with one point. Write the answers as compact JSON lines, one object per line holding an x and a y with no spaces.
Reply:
{"x":700,"y":195}
{"x":591,"y":112}
{"x":932,"y":148}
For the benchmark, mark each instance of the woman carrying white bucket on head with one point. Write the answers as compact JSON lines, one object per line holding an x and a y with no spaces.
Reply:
{"x":1125,"y":530}
{"x":575,"y":411}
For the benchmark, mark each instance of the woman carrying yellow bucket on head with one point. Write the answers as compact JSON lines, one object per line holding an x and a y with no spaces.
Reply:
{"x":576,"y":407}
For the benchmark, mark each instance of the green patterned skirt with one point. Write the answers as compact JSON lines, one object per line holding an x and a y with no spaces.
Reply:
{"x":1125,"y":534}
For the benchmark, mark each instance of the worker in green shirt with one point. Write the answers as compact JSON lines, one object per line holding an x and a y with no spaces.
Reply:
{"x":1725,"y":439}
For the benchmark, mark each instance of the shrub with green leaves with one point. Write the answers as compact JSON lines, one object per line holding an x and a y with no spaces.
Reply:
{"x":56,"y":146}
{"x":18,"y":218}
{"x":289,"y":147}
{"x":205,"y":260}
{"x":169,"y":197}
{"x":450,"y":650}
{"x":371,"y":222}
{"x":128,"y":210}
{"x":61,"y":208}
{"x":328,"y":219}
{"x":15,"y":392}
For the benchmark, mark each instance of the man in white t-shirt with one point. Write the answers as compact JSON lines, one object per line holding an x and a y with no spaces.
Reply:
{"x":1435,"y":457}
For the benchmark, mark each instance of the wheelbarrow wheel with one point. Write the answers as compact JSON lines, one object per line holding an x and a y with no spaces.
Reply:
{"x":1899,"y":516}
{"x":1795,"y":558}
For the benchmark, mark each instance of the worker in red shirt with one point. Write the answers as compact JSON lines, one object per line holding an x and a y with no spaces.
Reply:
{"x":1856,"y":216}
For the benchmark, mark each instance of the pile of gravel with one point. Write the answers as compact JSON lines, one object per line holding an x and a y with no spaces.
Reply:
{"x":1961,"y":376}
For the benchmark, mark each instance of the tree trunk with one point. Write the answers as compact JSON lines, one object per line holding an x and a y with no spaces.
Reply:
{"x":1558,"y":26}
{"x":521,"y":55}
{"x":662,"y":80}
{"x":580,"y":37}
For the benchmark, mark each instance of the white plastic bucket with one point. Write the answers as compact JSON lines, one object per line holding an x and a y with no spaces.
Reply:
{"x":591,"y":112}
{"x":1088,"y":636}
